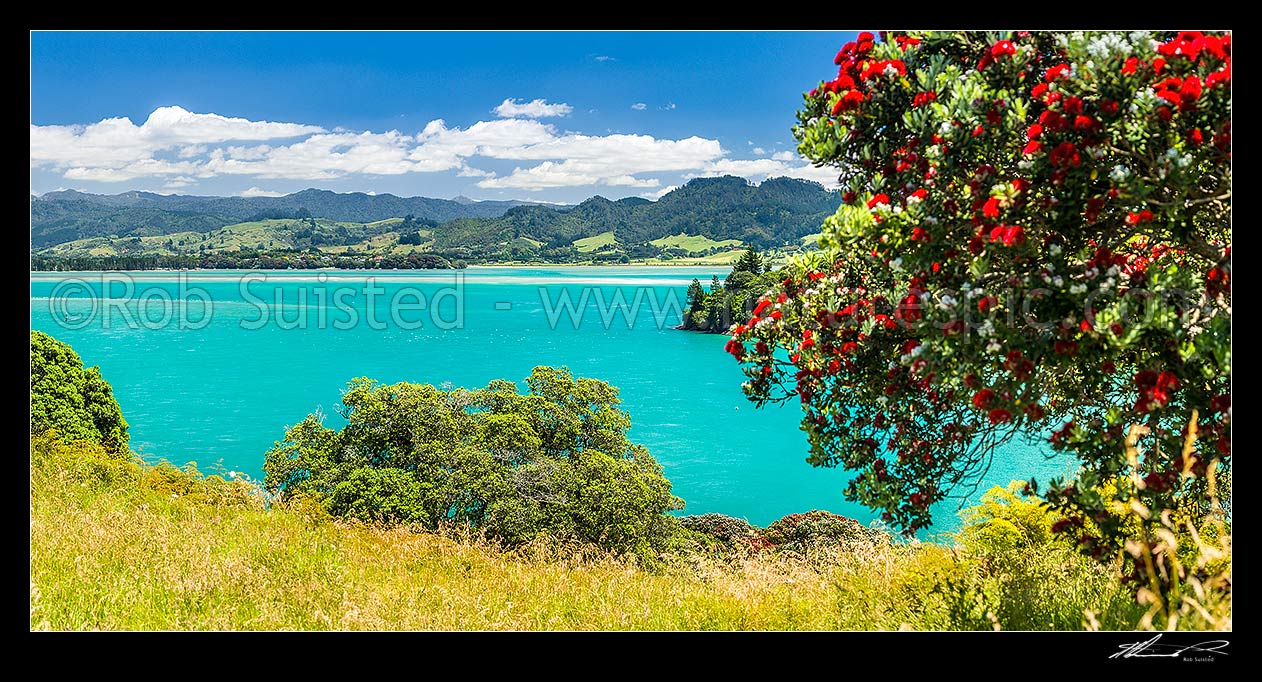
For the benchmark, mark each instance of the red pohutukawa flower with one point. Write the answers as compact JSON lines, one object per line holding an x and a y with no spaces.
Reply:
{"x":1008,"y":235}
{"x":1220,"y":77}
{"x":991,"y":209}
{"x":1181,"y":93}
{"x":1001,"y":49}
{"x":1065,"y":155}
{"x":888,"y":68}
{"x":1106,"y":188}
{"x":905,"y":42}
{"x":848,"y":102}
{"x":878,"y":200}
{"x":999,"y":415}
{"x":1056,"y":72}
{"x":1154,"y":389}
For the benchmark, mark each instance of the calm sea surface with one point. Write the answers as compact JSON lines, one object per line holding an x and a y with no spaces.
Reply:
{"x":220,"y":389}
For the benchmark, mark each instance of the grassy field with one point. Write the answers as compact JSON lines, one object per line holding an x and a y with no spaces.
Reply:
{"x":113,"y":550}
{"x":261,"y":234}
{"x":118,"y":545}
{"x":693,"y":243}
{"x":375,"y":237}
{"x":600,"y":241}
{"x":721,"y":258}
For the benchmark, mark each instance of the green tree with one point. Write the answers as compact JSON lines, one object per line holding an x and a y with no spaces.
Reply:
{"x":555,"y":459}
{"x":696,"y":296}
{"x":750,"y":262}
{"x":75,"y":401}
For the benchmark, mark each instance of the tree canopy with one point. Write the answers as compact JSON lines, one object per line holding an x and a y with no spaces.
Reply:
{"x":1035,"y":242}
{"x":554,"y":459}
{"x":75,"y":401}
{"x":714,"y":311}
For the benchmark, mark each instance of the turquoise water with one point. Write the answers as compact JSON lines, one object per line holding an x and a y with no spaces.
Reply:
{"x":222,"y":389}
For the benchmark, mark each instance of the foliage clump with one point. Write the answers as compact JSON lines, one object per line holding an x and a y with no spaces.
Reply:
{"x":553,"y":460}
{"x":72,"y":399}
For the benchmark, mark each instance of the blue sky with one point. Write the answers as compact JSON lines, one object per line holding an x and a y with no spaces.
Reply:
{"x":556,"y":116}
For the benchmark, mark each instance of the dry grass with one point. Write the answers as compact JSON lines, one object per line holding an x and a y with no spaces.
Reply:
{"x":116,"y":545}
{"x":110,"y":552}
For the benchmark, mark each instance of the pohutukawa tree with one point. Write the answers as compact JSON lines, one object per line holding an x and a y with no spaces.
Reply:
{"x":1035,"y":242}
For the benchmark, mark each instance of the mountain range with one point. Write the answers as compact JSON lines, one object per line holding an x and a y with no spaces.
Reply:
{"x":706,"y":215}
{"x":62,"y":216}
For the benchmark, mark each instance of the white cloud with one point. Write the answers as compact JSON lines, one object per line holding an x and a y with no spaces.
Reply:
{"x":826,"y":176}
{"x":768,"y":168}
{"x":249,"y":153}
{"x":603,"y":160}
{"x":568,"y":160}
{"x":324,"y":156}
{"x":742,"y":167}
{"x":471,"y":172}
{"x":760,"y":151}
{"x":180,"y":181}
{"x":259,"y":192}
{"x":639,"y":106}
{"x":116,"y":141}
{"x":605,"y":58}
{"x":180,"y":148}
{"x":668,"y":106}
{"x":551,"y":174}
{"x":140,"y":168}
{"x":536,"y":108}
{"x":660,"y":193}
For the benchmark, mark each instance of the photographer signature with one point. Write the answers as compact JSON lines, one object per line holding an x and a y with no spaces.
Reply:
{"x":1151,"y":649}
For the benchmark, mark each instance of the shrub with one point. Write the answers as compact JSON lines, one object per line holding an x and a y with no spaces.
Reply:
{"x":728,"y":531}
{"x":1024,"y":576}
{"x":1003,"y":520}
{"x":92,"y":466}
{"x":799,"y":532}
{"x":75,"y":401}
{"x":554,"y":460}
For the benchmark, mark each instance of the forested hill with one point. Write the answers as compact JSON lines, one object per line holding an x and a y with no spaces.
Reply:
{"x":779,"y":211}
{"x":59,"y":217}
{"x":707,"y":217}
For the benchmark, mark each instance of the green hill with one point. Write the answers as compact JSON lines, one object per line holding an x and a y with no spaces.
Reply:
{"x":58,"y":217}
{"x":706,"y":218}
